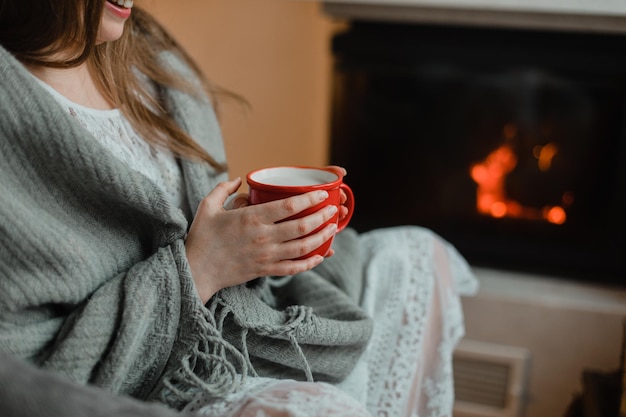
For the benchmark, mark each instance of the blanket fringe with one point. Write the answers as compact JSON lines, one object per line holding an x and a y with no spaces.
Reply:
{"x":207,"y":368}
{"x":298,"y":315}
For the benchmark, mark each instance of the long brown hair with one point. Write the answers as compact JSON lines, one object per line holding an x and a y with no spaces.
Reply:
{"x":37,"y":32}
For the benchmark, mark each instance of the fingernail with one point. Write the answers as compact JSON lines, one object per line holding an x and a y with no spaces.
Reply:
{"x":332,"y":209}
{"x":323,"y":195}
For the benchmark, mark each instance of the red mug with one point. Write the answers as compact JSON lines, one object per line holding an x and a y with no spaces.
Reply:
{"x":277,"y":183}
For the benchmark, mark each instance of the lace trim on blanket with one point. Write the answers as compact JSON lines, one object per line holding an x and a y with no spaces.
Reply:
{"x":391,"y":374}
{"x":439,"y":389}
{"x":396,"y":360}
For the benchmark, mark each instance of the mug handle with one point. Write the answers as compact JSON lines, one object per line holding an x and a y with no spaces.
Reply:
{"x":349,"y":205}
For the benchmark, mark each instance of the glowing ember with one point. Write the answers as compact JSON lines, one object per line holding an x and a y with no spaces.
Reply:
{"x":490,"y":176}
{"x":544,"y":155}
{"x":491,"y":173}
{"x":555,"y":215}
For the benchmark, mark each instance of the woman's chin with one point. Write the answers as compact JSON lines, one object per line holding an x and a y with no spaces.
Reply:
{"x":109,"y":32}
{"x":112,"y":23}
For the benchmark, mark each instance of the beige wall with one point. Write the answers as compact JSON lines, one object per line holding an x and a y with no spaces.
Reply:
{"x":273,"y":52}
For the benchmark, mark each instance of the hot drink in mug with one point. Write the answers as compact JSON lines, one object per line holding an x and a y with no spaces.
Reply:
{"x":277,"y":183}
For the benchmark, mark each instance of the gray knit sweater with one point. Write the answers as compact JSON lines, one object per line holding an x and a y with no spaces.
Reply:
{"x":94,"y":281}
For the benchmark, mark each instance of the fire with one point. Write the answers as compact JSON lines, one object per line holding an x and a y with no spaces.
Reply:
{"x":490,"y":175}
{"x":555,"y":215}
{"x":544,"y":155}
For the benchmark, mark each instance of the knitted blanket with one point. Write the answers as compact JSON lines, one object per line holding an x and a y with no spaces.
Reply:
{"x":94,"y":281}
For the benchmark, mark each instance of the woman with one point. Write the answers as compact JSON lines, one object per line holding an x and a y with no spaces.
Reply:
{"x":123,"y":266}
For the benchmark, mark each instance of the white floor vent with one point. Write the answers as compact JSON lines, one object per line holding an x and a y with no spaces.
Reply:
{"x":489,"y":379}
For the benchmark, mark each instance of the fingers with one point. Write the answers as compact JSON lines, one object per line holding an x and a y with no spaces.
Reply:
{"x":341,"y":171}
{"x":233,"y":185}
{"x":216,"y":199}
{"x":291,"y":267}
{"x":342,"y":197}
{"x":297,"y":228}
{"x":299,"y":247}
{"x":296,"y":238}
{"x":343,"y":212}
{"x":278,"y":210}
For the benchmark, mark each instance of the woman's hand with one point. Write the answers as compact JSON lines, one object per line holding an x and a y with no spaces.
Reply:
{"x":230,"y":247}
{"x":343,"y":210}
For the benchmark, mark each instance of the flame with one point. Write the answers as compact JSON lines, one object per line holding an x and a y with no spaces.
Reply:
{"x":544,"y":155}
{"x":490,"y":175}
{"x":555,"y":215}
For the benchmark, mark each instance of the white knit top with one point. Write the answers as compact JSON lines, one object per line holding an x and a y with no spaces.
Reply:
{"x":116,"y":134}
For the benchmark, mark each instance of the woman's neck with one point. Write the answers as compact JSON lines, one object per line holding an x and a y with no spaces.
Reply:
{"x":76,"y":84}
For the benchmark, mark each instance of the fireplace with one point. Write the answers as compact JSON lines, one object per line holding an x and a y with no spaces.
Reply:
{"x":510,"y":143}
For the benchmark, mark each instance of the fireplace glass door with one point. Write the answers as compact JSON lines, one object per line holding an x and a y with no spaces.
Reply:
{"x":509,"y":144}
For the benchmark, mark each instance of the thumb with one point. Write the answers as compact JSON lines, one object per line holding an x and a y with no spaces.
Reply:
{"x":218,"y":196}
